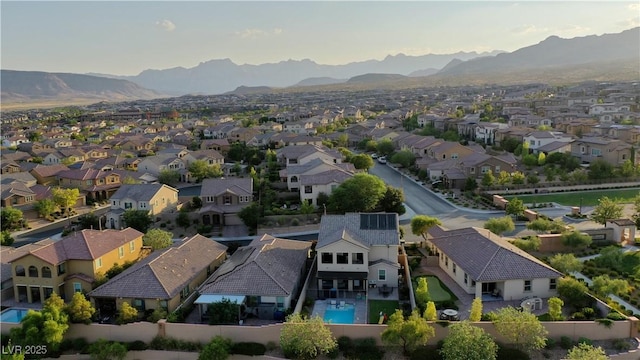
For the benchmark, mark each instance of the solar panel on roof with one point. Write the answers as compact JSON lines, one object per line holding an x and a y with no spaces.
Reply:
{"x":377,"y":221}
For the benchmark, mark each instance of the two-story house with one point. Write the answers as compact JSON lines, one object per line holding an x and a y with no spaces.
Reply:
{"x":356,"y":252}
{"x":222,"y":200}
{"x":301,"y":154}
{"x":96,"y":184}
{"x":72,"y":263}
{"x":169,"y":276}
{"x":615,"y":152}
{"x":154,"y":198}
{"x":537,"y":139}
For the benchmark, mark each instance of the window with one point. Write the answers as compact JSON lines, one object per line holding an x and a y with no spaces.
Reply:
{"x":308,"y":189}
{"x":327,"y":284}
{"x":472,"y":170}
{"x":454,"y":268}
{"x":164,"y":304}
{"x":294,"y":179}
{"x":33,"y":271}
{"x":62,"y":268}
{"x":121,"y":251}
{"x":382,"y":275}
{"x":46,"y":272}
{"x":454,"y":156}
{"x":357,"y":258}
{"x":596,"y":152}
{"x":342,"y":258}
{"x":77,"y":287}
{"x":446,"y":261}
{"x":497,"y":169}
{"x":226,"y":199}
{"x":128,"y":205}
{"x":185,"y":292}
{"x":527,"y":285}
{"x":466,"y":278}
{"x":98,"y":263}
{"x":132,"y":246}
{"x":20,"y":270}
{"x":485,"y":169}
{"x":114,"y":203}
{"x":47,"y":291}
{"x":280,"y":302}
{"x":358,"y":285}
{"x":138,"y":304}
{"x":552,"y":284}
{"x":327,"y":258}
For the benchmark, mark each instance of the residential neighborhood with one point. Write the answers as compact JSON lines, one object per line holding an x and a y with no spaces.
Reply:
{"x":239,"y":211}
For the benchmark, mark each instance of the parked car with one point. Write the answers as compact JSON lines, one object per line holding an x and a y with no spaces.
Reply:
{"x":374,"y":156}
{"x":382,"y":160}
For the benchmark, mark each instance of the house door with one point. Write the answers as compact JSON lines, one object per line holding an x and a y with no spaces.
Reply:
{"x":206,"y":219}
{"x":113,"y":223}
{"x":488,"y":288}
{"x":35,"y":294}
{"x":216,"y":219}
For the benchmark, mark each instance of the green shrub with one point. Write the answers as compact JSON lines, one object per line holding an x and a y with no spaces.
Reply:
{"x":137,"y":345}
{"x":616,"y":316}
{"x":248,"y":348}
{"x":589,"y":313}
{"x":578,"y":316}
{"x":272,"y":345}
{"x":81,"y":345}
{"x":295,"y":222}
{"x":584,"y":340}
{"x":508,"y":353}
{"x":605,"y":322}
{"x":550,"y":344}
{"x":345,"y":344}
{"x":566,"y":342}
{"x":621,"y":345}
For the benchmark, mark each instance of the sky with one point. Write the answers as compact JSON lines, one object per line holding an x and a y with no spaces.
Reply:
{"x":126,"y":37}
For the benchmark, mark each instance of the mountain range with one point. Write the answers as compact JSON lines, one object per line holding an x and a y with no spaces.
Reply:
{"x":608,"y":57}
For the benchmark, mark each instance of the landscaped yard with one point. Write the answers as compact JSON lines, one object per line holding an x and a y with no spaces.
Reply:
{"x":589,"y":198}
{"x":438,"y":292}
{"x":385,"y":306}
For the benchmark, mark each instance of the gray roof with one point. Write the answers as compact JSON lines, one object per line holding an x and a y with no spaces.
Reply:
{"x":164,"y":273}
{"x":139,"y":192}
{"x":326,"y":177}
{"x":216,"y":187}
{"x":268,"y":266}
{"x":351,"y":227}
{"x":487,"y":257}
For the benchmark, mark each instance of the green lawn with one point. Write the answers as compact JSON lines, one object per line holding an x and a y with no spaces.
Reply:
{"x":385,"y":306}
{"x":589,"y":198}
{"x":437,"y":290}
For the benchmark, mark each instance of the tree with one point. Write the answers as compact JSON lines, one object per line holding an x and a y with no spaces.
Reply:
{"x":404,"y":158}
{"x":606,"y":209}
{"x":7,"y":239}
{"x":475,"y":313}
{"x":555,"y":309}
{"x":216,"y":349}
{"x":488,"y":179}
{"x":566,"y":263}
{"x":422,"y":293}
{"x":361,"y":193}
{"x":530,"y":160}
{"x":500,"y":225}
{"x":183,"y":219}
{"x":80,"y":309}
{"x":517,"y":178}
{"x":584,"y":351}
{"x":543,"y":225}
{"x":385,"y":147}
{"x":107,"y":350}
{"x":573,"y":292}
{"x":600,"y":169}
{"x":542,"y":158}
{"x":468,"y":342}
{"x":137,"y":219}
{"x":127,"y":314}
{"x":65,"y":198}
{"x":89,"y":221}
{"x":169,"y":177}
{"x":362,"y":162}
{"x":200,"y":169}
{"x":636,"y":206}
{"x":250,"y":215}
{"x":430,"y":313}
{"x":11,"y":218}
{"x":470,"y":184}
{"x":305,"y":339}
{"x":603,"y":285}
{"x":576,"y":239}
{"x":157,"y":239}
{"x":392,"y":201}
{"x":520,"y":328}
{"x":223,"y":312}
{"x":420,"y":225}
{"x":515,"y":207}
{"x":47,"y":326}
{"x":409,"y":333}
{"x":45,"y":207}
{"x":504,"y":178}
{"x":130,"y":181}
{"x":196,"y":202}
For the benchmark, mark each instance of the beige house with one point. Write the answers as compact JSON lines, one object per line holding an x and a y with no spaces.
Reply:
{"x":154,"y":198}
{"x":488,"y":266}
{"x":615,"y":152}
{"x":357,"y":252}
{"x":169,"y":277}
{"x":72,"y":263}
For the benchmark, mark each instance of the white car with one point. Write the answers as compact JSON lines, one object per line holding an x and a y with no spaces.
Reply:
{"x":382,"y":160}
{"x":374,"y":156}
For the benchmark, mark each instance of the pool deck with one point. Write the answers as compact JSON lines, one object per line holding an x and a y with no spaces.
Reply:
{"x":360,"y":308}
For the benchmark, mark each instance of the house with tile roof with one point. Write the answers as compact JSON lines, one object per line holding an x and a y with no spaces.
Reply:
{"x":483,"y":263}
{"x":537,"y":139}
{"x":7,"y":255}
{"x":615,"y":152}
{"x":222,"y":200}
{"x":357,"y":252}
{"x":72,"y":263}
{"x":169,"y":277}
{"x":266,"y":276}
{"x":154,"y":198}
{"x":94,"y":183}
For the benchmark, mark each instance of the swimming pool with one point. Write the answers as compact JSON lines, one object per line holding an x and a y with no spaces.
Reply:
{"x":12,"y":315}
{"x":343,"y":315}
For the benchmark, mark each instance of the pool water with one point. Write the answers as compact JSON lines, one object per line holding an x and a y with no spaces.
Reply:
{"x":343,"y":315}
{"x":13,"y":315}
